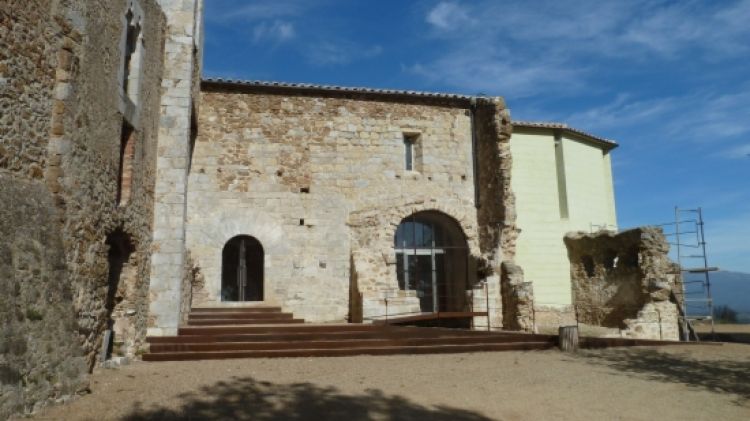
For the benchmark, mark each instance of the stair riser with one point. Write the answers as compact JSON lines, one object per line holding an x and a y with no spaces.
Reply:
{"x":254,"y":316}
{"x":340,"y":344}
{"x":296,"y":337}
{"x":223,"y":322}
{"x":235,"y":310}
{"x":283,"y":328}
{"x":188,"y":356}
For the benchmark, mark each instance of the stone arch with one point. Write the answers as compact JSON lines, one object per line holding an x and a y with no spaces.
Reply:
{"x":207,"y":237}
{"x":432,"y":260}
{"x":456,"y":215}
{"x":389,"y":217}
{"x":373,"y":255}
{"x":242,"y":271}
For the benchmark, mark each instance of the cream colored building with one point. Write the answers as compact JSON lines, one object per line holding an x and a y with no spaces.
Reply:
{"x":562,"y":178}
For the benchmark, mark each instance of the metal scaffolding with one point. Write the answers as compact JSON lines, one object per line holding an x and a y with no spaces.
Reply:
{"x":687,"y":236}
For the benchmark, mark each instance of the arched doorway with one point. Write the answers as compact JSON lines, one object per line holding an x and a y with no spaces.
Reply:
{"x":242,"y":270}
{"x":432,"y":259}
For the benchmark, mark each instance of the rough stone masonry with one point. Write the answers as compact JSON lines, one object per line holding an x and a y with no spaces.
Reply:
{"x":625,"y":281}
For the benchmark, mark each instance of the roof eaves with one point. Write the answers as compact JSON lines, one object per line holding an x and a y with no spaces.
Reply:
{"x":334,"y":89}
{"x":607,"y":143}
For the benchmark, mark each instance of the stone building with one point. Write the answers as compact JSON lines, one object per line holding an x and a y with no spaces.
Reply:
{"x":87,"y":91}
{"x":403,"y":198}
{"x":130,"y":191}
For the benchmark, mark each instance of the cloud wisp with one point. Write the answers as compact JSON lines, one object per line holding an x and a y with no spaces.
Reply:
{"x":276,"y":32}
{"x":549,"y":46}
{"x":701,"y":117}
{"x":326,"y":53}
{"x":449,"y":16}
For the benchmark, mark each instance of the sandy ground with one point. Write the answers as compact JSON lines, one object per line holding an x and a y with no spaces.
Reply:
{"x":667,"y":383}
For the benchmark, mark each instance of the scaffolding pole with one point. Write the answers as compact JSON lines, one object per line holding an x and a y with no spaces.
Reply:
{"x":696,"y":300}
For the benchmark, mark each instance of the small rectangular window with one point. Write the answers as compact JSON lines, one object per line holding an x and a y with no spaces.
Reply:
{"x":409,"y":153}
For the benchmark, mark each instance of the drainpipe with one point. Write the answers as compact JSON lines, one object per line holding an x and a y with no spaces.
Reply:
{"x":474,"y":152}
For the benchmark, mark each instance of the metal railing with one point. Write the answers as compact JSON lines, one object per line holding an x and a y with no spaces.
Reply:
{"x":468,"y":298}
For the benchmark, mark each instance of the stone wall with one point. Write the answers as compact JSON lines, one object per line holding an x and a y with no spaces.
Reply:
{"x":625,"y":281}
{"x":61,"y":125}
{"x":179,"y":91}
{"x":518,"y":299}
{"x":496,"y":202}
{"x":319,"y":180}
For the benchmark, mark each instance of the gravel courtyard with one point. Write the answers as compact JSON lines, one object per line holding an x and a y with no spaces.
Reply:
{"x":668,"y":383}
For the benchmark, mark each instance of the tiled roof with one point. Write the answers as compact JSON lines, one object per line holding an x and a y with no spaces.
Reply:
{"x":335,"y":88}
{"x":610,"y":144}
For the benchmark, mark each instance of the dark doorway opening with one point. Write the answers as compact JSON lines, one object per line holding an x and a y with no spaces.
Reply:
{"x":242,"y":270}
{"x":120,"y":250}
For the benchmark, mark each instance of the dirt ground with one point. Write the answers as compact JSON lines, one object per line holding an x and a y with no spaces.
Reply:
{"x":669,"y":383}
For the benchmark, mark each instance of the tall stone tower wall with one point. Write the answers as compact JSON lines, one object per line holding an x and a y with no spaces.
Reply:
{"x":66,"y":187}
{"x":179,"y":89}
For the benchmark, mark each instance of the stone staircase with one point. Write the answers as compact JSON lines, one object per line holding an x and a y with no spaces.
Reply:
{"x":263,"y":332}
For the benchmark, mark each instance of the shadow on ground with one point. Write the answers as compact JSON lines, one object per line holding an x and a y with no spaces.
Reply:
{"x":739,"y":337}
{"x":720,"y":376}
{"x":247,"y":398}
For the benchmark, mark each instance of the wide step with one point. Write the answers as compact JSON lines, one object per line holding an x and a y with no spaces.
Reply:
{"x":328,"y":335}
{"x":327,"y":344}
{"x":350,"y":351}
{"x":265,"y":332}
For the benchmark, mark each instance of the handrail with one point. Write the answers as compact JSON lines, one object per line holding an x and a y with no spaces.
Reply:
{"x":470,"y":295}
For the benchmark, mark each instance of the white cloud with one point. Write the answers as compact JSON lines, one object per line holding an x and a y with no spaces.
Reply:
{"x":278,"y":31}
{"x":448,"y":16}
{"x":495,"y":71}
{"x":698,"y":117}
{"x":737,"y":152}
{"x":325,"y":53}
{"x":232,"y":10}
{"x":549,"y":45}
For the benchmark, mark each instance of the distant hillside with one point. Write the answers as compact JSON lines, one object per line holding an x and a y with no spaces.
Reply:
{"x":732,"y":289}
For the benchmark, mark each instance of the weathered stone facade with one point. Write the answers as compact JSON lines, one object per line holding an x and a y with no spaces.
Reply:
{"x":319,"y":180}
{"x":625,"y":281}
{"x":63,"y":115}
{"x":123,"y":178}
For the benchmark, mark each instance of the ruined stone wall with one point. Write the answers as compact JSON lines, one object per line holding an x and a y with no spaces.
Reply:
{"x":320,"y":182}
{"x":60,"y":127}
{"x":496,"y":211}
{"x":625,"y":281}
{"x":517,"y":299}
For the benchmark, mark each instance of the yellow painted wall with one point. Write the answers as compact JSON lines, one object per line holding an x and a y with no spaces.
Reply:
{"x":588,"y":183}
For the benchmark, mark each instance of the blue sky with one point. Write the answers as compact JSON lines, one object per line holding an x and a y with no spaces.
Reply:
{"x":669,"y":80}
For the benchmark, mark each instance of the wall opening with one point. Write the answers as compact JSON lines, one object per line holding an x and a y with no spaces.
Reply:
{"x":132,"y":55}
{"x":242,"y":270}
{"x":432,"y":260}
{"x":127,"y":156}
{"x":588,"y":266}
{"x":122,"y":273}
{"x":412,"y":152}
